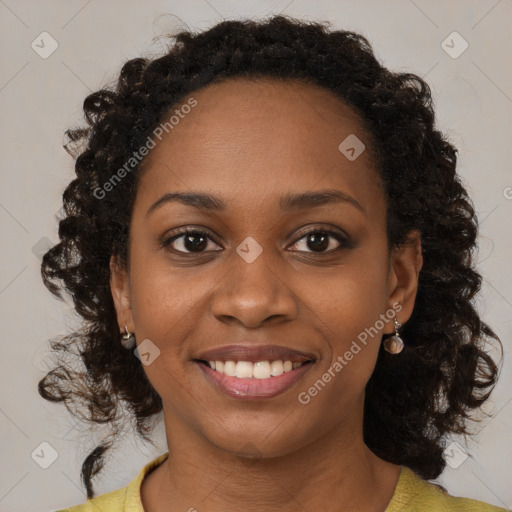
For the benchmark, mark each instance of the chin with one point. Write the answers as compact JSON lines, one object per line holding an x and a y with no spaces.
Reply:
{"x":262,"y":442}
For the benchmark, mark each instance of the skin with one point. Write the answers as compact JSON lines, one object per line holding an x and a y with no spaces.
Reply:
{"x":249,"y":142}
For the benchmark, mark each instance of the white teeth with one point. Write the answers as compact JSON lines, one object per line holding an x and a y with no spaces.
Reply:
{"x":261,"y":370}
{"x":230,"y":368}
{"x":243,"y":369}
{"x":258,"y":370}
{"x":276,"y":368}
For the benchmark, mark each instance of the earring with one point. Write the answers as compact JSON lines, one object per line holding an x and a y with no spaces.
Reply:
{"x":394,"y":344}
{"x":128,"y":339}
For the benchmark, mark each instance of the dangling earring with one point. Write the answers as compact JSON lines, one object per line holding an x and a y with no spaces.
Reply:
{"x":128,"y":339}
{"x":394,"y":344}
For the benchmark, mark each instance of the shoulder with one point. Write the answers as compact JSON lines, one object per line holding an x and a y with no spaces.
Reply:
{"x":120,"y":500}
{"x":414,"y":494}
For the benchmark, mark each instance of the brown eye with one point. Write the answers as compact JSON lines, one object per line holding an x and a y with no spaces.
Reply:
{"x":189,"y":241}
{"x":320,"y":241}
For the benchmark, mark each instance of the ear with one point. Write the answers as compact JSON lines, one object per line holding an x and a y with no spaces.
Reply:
{"x":120,"y":288}
{"x":404,"y":270}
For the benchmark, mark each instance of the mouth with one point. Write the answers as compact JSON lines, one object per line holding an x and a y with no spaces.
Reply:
{"x":250,"y":387}
{"x":254,"y":372}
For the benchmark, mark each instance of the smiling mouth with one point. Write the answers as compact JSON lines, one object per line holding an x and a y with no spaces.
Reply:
{"x":254,"y":370}
{"x":258,"y":380}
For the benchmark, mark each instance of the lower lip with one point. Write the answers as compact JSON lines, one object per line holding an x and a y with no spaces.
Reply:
{"x":254,"y":389}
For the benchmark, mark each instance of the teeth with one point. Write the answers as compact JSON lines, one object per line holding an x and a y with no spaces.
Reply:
{"x":243,"y":369}
{"x":230,"y":368}
{"x":259,"y":370}
{"x":276,"y":368}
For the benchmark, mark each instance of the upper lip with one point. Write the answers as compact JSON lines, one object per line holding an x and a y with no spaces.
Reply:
{"x":255,"y":353}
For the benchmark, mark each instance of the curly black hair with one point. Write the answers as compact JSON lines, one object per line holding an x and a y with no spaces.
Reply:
{"x":413,"y":400}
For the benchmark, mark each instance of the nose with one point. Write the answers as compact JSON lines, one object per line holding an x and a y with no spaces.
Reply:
{"x":254,"y":293}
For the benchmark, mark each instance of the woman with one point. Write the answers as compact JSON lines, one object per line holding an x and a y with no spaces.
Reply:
{"x":268,"y":241}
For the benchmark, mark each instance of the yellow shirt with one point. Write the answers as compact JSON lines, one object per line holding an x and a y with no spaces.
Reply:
{"x":412,"y":494}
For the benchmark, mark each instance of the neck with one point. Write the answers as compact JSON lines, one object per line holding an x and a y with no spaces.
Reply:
{"x":336,"y":469}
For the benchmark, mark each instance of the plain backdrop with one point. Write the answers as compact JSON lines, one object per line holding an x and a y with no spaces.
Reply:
{"x":41,"y":97}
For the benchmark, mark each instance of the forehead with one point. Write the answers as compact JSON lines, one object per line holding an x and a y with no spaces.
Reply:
{"x":248,"y":138}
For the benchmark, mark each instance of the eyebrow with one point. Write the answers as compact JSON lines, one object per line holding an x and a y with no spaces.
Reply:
{"x":288,"y":202}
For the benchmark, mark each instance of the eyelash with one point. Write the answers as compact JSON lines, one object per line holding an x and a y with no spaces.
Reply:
{"x":342,"y":240}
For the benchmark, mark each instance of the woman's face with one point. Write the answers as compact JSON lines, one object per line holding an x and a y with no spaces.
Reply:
{"x":304,"y":274}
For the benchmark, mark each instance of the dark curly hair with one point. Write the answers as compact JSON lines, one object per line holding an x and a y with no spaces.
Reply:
{"x":413,"y":400}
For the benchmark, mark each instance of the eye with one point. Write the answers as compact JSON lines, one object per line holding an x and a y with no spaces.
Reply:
{"x":196,"y":241}
{"x":189,"y":241}
{"x":320,"y":241}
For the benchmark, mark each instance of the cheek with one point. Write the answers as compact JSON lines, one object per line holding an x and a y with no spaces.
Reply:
{"x":353,"y":298}
{"x":165,"y":300}
{"x":171,"y":306}
{"x":350,"y":306}
{"x":167,"y":306}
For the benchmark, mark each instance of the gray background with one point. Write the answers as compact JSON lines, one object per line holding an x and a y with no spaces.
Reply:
{"x":40,"y":97}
